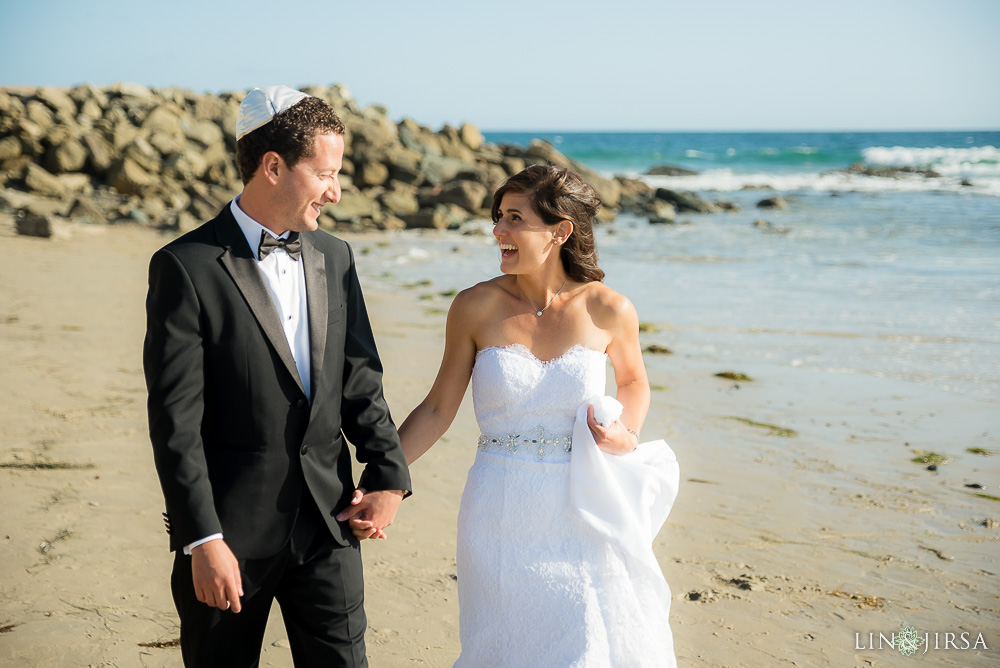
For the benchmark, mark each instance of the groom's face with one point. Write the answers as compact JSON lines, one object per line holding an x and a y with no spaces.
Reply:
{"x":302,"y":190}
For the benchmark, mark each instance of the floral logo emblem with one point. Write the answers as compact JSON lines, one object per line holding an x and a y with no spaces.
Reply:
{"x":908,"y":641}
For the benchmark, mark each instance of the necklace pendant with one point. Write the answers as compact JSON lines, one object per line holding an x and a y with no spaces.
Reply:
{"x":538,"y":314}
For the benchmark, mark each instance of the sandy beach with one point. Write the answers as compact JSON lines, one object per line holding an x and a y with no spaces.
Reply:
{"x":781,"y":550}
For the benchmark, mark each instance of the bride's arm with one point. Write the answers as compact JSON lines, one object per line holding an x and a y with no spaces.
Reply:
{"x":630,"y":377}
{"x":428,"y":421}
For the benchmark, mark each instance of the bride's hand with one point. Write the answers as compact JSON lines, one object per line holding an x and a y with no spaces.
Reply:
{"x":361,"y":528}
{"x":615,"y":439}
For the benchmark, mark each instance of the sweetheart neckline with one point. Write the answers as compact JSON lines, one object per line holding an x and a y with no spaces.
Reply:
{"x":526,"y":349}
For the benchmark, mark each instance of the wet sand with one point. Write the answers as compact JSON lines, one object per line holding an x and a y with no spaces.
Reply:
{"x":779,"y":550}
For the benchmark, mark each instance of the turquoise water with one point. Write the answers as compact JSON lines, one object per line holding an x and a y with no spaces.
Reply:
{"x":875,"y":277}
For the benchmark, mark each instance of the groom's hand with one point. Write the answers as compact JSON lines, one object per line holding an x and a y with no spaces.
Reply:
{"x":216,"y":575}
{"x":371,"y":512}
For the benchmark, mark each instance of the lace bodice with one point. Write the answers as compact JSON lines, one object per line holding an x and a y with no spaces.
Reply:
{"x":515,"y":392}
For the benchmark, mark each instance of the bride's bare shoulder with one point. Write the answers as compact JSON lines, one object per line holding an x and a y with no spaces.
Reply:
{"x":481,"y":298}
{"x":608,"y":308}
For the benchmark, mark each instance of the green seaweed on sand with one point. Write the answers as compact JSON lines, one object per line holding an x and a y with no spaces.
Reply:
{"x":654,"y":349}
{"x":658,"y":388}
{"x":935,"y":458}
{"x":449,"y":293}
{"x":734,"y":375}
{"x":986,"y":496}
{"x":775,"y":430}
{"x":980,"y":451}
{"x":648,"y":328}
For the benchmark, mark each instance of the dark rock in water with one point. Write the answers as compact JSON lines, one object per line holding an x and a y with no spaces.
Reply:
{"x":889,"y":172}
{"x":966,"y":182}
{"x":686,"y":201}
{"x":670,"y":170}
{"x":655,"y":349}
{"x":764,"y":225}
{"x":661,"y":212}
{"x":728,"y":207}
{"x":734,"y":375}
{"x":772,"y":203}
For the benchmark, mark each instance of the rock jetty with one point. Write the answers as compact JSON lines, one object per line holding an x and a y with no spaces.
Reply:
{"x":165,"y":158}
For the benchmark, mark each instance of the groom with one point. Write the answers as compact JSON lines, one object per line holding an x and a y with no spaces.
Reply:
{"x":261,"y":366}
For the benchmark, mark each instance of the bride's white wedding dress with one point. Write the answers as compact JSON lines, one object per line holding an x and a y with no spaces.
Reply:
{"x":539,"y":588}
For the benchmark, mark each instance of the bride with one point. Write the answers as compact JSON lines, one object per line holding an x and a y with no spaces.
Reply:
{"x":537,"y":585}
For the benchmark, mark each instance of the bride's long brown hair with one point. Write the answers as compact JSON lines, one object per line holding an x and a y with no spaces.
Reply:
{"x":557,"y":194}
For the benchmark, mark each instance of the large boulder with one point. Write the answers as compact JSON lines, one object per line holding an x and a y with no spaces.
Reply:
{"x":418,"y":138}
{"x":66,"y":153}
{"x":401,"y":199}
{"x":59,"y":102}
{"x":670,"y":170}
{"x":661,"y":212}
{"x":438,"y":169}
{"x":772,"y":203}
{"x":41,"y":182}
{"x":128,"y":177}
{"x":686,"y":201}
{"x":468,"y":195}
{"x":471,"y":136}
{"x":370,"y":173}
{"x":352,"y":207}
{"x":546,"y":153}
{"x":205,"y":133}
{"x":10,"y":147}
{"x":99,"y":152}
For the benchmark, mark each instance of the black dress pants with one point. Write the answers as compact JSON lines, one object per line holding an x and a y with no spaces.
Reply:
{"x":319,"y":586}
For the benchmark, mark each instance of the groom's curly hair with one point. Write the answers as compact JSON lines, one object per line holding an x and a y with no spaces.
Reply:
{"x":557,"y":194}
{"x":291,"y":134}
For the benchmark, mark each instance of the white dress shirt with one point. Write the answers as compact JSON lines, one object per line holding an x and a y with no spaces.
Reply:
{"x":286,"y":282}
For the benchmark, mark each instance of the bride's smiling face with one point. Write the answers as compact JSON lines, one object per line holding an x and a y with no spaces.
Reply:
{"x":526,"y":242}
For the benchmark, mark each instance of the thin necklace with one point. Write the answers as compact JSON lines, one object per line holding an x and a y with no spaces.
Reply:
{"x":538,"y":312}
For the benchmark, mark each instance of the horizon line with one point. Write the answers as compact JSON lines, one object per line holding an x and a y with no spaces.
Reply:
{"x":739,"y":131}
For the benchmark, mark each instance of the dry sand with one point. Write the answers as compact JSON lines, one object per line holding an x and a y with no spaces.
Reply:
{"x":779,"y":550}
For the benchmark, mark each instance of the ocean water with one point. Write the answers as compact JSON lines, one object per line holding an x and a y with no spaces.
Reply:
{"x":869,"y":276}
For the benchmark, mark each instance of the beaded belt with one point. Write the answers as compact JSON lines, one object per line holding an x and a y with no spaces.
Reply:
{"x":539,"y":439}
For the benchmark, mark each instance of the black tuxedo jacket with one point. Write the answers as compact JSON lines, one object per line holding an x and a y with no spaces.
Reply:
{"x":235,"y":439}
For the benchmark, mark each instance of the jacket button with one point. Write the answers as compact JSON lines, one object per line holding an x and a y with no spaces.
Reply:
{"x":304,"y":449}
{"x":301,"y":403}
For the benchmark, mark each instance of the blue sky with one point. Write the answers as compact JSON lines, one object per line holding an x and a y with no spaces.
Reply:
{"x":657,"y":65}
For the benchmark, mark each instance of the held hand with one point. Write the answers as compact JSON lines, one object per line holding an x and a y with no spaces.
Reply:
{"x":614,"y":439}
{"x":216,"y":575}
{"x":371,"y":512}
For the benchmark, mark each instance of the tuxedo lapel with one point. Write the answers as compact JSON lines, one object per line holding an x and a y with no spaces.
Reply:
{"x":318,"y":300}
{"x":239,"y":261}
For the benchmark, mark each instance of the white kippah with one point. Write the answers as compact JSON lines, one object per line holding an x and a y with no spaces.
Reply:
{"x":261,"y":104}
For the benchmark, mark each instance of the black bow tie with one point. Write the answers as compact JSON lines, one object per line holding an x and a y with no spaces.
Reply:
{"x":292,"y":245}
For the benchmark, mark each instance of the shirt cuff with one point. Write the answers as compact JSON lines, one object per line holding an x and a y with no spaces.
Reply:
{"x":188,"y":548}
